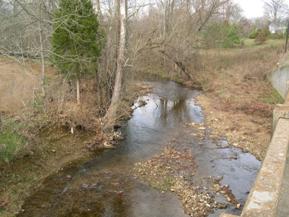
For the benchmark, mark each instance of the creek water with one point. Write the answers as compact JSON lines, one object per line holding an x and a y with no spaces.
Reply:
{"x":105,"y":187}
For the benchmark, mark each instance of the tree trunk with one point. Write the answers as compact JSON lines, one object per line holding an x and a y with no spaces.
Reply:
{"x":97,"y":8}
{"x":42,"y":77}
{"x":42,"y":59}
{"x":77,"y":91}
{"x":116,"y":96}
{"x":287,"y":36}
{"x":15,"y":9}
{"x":188,"y":6}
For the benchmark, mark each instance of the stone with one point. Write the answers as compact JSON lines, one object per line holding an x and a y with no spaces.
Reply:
{"x":280,"y":111}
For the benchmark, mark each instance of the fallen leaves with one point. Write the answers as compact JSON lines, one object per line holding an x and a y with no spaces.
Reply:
{"x":161,"y":169}
{"x":173,"y":171}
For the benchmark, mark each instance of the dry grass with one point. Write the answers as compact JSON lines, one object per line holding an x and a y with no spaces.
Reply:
{"x":238,"y":97}
{"x":49,"y":146}
{"x":17,"y":84}
{"x":270,"y":42}
{"x":48,"y":121}
{"x":284,"y":62}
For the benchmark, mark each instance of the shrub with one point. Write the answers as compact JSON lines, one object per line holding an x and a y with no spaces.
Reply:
{"x":253,"y":34}
{"x":232,"y":38}
{"x":11,"y":140}
{"x":262,"y":35}
{"x":222,"y":35}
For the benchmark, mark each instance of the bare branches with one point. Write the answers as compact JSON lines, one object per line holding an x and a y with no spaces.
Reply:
{"x":275,"y":10}
{"x":207,"y":9}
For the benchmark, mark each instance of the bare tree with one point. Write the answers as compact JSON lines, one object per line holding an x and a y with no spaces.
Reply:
{"x":275,"y":10}
{"x":164,"y":35}
{"x":231,"y":12}
{"x":121,"y":9}
{"x":97,"y":7}
{"x":206,"y":9}
{"x":25,"y":30}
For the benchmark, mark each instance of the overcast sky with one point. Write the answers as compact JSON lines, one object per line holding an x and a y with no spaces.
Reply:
{"x":252,"y":8}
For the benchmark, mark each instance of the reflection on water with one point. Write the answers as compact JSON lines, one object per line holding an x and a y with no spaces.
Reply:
{"x":104,"y":187}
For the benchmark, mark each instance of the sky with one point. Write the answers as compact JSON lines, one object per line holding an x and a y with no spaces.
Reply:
{"x":252,"y":8}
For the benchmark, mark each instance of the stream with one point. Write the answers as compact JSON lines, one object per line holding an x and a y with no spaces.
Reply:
{"x":105,"y":187}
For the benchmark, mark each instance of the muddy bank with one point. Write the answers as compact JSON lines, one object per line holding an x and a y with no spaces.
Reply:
{"x":195,"y":168}
{"x":46,"y":155}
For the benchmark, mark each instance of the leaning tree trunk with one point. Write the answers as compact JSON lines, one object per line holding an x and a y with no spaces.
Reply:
{"x":111,"y":116}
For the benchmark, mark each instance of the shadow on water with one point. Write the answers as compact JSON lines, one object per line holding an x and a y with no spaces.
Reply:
{"x":104,"y":186}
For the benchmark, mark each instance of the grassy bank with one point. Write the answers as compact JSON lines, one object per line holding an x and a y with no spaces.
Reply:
{"x":238,"y":98}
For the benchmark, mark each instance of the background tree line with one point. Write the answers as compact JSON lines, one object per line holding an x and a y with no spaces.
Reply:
{"x":116,"y":41}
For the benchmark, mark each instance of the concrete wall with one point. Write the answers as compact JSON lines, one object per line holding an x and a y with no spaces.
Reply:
{"x":265,"y":195}
{"x":279,"y":80}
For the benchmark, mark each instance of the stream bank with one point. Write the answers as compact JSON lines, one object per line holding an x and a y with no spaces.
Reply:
{"x":238,"y":98}
{"x":167,"y":133}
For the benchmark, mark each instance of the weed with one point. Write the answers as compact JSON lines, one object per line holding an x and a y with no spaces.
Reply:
{"x":38,"y":101}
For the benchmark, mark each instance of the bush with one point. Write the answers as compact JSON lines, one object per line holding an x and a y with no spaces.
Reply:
{"x":253,"y":34}
{"x":222,"y":35}
{"x":262,"y":36}
{"x":232,"y":38}
{"x":11,"y":140}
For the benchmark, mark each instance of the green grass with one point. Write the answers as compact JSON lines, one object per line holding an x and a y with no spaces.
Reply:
{"x":11,"y":141}
{"x":38,"y":102}
{"x":270,"y":42}
{"x":249,"y":42}
{"x":272,"y":98}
